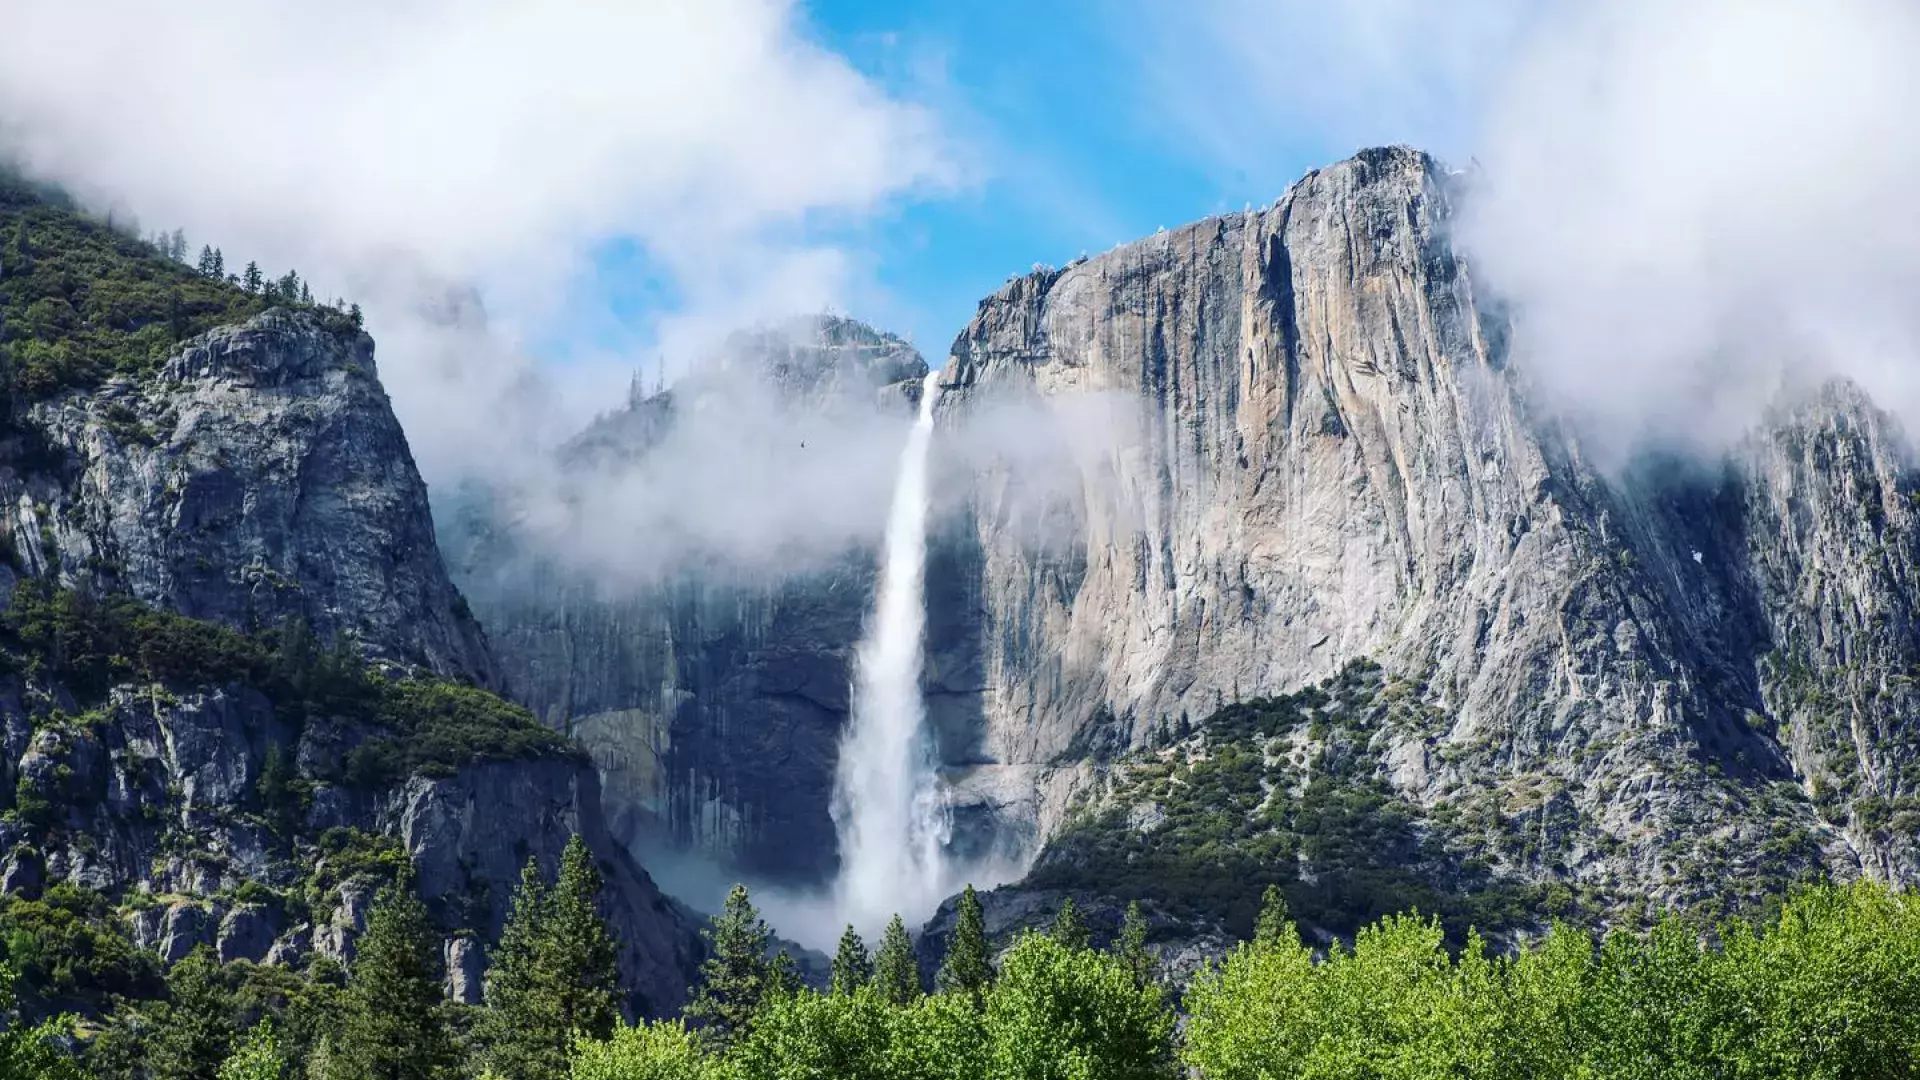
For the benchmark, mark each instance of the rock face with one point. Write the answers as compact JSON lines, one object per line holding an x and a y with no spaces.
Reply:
{"x":1312,"y":447}
{"x":712,"y":697}
{"x":261,"y":475}
{"x":1331,"y":459}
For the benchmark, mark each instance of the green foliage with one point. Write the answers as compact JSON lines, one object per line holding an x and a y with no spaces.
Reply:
{"x":1828,"y":991}
{"x":392,"y":1025}
{"x":81,"y":301}
{"x":852,"y":965}
{"x":805,"y":1035}
{"x":896,"y":971}
{"x":434,"y":727}
{"x":32,"y":1051}
{"x":194,"y":1029}
{"x":1236,"y":819}
{"x":553,"y":977}
{"x":257,"y":1058}
{"x":1068,"y":928}
{"x":71,"y":946}
{"x":1057,"y":1011}
{"x":663,"y":1051}
{"x":737,"y":979}
{"x":1131,"y":947}
{"x":966,"y":968}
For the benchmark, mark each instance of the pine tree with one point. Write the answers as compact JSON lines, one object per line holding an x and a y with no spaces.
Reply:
{"x":219,"y":265}
{"x":966,"y":968}
{"x":896,"y":973}
{"x":207,"y":267}
{"x":852,"y":966}
{"x":1067,"y":928}
{"x":354,"y":314}
{"x":393,"y":1027}
{"x":1132,"y":946}
{"x":737,"y":979}
{"x":1273,"y":927}
{"x":583,"y":957}
{"x":512,"y":1023}
{"x":177,"y":247}
{"x":252,"y":280}
{"x":306,"y":294}
{"x":194,"y":1031}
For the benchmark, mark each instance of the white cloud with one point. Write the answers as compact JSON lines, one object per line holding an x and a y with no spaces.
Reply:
{"x":493,"y":142}
{"x":1246,"y":84}
{"x":1691,"y":205}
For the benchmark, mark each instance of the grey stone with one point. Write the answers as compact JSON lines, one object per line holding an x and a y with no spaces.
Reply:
{"x":186,"y":926}
{"x":466,"y":962}
{"x":247,"y":933}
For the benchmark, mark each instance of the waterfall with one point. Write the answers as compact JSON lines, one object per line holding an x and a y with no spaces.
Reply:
{"x":891,"y":815}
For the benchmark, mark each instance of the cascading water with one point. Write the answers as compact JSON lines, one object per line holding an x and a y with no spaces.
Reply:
{"x":891,"y":816}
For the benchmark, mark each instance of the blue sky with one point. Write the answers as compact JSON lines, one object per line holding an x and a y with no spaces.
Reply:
{"x":1064,"y":138}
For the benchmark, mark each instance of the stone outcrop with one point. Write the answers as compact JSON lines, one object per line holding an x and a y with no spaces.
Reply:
{"x":260,"y":475}
{"x":1332,"y":457}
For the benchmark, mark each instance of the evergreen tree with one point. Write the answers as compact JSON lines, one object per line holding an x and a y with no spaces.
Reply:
{"x":207,"y":267}
{"x":583,"y":959}
{"x":193,"y":1031}
{"x":514,"y":1023}
{"x":289,"y":289}
{"x":966,"y":968}
{"x":252,"y":280}
{"x":852,"y":966}
{"x":736,"y":979}
{"x":219,"y":265}
{"x":393,"y":1027}
{"x":177,"y":246}
{"x":1067,"y":928}
{"x":1275,"y":925}
{"x":1132,"y":946}
{"x":896,"y":973}
{"x":306,"y":294}
{"x":354,"y":314}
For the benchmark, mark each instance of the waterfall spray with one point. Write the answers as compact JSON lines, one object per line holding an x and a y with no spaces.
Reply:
{"x":891,"y":815}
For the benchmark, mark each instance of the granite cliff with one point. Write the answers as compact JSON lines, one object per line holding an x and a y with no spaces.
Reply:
{"x":1684,"y":681}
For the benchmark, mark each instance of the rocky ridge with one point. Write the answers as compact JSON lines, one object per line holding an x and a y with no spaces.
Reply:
{"x":259,"y":486}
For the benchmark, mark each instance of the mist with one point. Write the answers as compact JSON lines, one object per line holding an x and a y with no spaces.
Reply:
{"x":399,"y":152}
{"x":1693,"y":209}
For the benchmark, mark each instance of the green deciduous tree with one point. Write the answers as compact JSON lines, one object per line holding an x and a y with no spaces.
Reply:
{"x":967,"y":969}
{"x":852,"y":966}
{"x":257,"y":1057}
{"x":896,"y":971}
{"x":664,"y":1051}
{"x":1061,"y":1011}
{"x":393,"y":1026}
